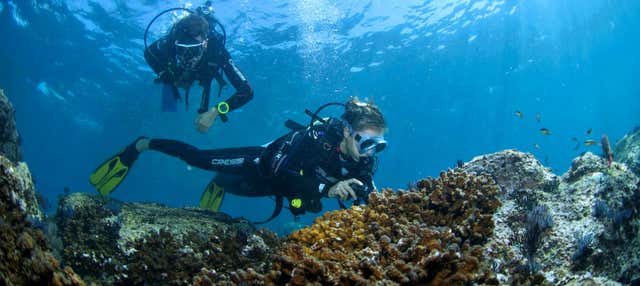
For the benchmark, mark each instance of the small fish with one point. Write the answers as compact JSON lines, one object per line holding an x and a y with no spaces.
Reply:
{"x":545,"y":131}
{"x":519,"y":114}
{"x":538,"y":117}
{"x":589,"y":131}
{"x":536,"y":146}
{"x":590,"y":142}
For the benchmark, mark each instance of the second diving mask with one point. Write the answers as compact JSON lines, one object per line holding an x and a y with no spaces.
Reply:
{"x":370,"y":145}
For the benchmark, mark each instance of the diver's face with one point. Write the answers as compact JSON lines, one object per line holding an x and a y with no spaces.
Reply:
{"x":362,"y":143}
{"x":190,"y":52}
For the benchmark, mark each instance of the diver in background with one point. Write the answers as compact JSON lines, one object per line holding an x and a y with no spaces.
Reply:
{"x":194,"y":51}
{"x":334,"y":157}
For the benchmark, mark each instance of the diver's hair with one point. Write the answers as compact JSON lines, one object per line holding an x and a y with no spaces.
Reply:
{"x":190,"y":27}
{"x":361,"y":115}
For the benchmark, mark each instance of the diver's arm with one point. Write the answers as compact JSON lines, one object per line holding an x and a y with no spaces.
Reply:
{"x":244,"y":92}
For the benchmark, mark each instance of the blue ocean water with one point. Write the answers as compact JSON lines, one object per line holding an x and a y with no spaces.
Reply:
{"x":448,"y":74}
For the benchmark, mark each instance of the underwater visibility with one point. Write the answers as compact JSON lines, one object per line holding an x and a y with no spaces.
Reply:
{"x":320,"y":142}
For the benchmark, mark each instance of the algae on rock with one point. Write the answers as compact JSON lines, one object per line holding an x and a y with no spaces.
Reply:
{"x":25,"y":258}
{"x":570,"y":199}
{"x":627,"y":150}
{"x":9,"y":137}
{"x":113,"y":242}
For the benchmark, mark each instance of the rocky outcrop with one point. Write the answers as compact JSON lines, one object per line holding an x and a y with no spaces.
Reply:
{"x":627,"y":150}
{"x":591,"y":211}
{"x":500,"y":219}
{"x":9,"y":138}
{"x":25,"y":258}
{"x":113,"y":242}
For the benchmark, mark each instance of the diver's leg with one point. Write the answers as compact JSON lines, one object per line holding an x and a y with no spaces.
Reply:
{"x":232,"y":160}
{"x":245,"y":185}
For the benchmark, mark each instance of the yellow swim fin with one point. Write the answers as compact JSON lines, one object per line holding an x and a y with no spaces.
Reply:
{"x":113,"y":171}
{"x":212,"y":197}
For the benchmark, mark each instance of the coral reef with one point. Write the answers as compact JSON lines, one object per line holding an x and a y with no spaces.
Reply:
{"x":538,"y":223}
{"x":9,"y":138}
{"x":570,"y":200}
{"x":583,"y":246}
{"x":430,"y":236}
{"x":499,"y":219}
{"x":627,"y":150}
{"x":112,"y":242}
{"x":24,"y":256}
{"x":519,"y":175}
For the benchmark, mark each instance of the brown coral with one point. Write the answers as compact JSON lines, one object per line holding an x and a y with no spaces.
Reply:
{"x":24,"y":255}
{"x":433,"y":236}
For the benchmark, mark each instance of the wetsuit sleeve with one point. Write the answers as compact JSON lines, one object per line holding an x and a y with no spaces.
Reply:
{"x":244,"y":92}
{"x":158,"y":56}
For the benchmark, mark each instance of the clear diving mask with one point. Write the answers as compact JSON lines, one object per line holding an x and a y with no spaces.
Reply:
{"x":188,"y":55}
{"x":370,"y":145}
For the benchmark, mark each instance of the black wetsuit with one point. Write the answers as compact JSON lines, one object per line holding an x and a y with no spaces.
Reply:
{"x":161,"y":56}
{"x":302,"y":165}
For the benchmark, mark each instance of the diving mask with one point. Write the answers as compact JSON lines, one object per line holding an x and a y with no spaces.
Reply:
{"x":368,"y":144}
{"x":188,"y":55}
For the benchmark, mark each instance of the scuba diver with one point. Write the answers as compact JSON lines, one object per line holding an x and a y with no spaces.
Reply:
{"x":194,"y":51}
{"x":330,"y":157}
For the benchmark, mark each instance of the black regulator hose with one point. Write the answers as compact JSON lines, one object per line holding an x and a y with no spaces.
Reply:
{"x":314,"y":115}
{"x":146,"y":31}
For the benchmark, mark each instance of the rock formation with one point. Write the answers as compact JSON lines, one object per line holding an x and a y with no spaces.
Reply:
{"x":113,"y":242}
{"x":627,"y":150}
{"x":9,"y":138}
{"x":581,"y":248}
{"x":25,"y":258}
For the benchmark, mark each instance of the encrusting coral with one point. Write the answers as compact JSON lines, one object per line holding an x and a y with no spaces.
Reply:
{"x":117,"y":243}
{"x":24,"y":256}
{"x":430,"y":236}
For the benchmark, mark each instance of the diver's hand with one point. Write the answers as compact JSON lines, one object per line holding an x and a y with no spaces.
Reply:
{"x":343,"y":189}
{"x":205,"y":120}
